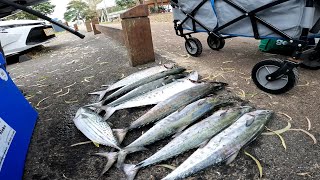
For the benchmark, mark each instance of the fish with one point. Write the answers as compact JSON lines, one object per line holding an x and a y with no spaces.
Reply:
{"x":174,"y":123}
{"x":155,"y":96}
{"x":146,"y":88}
{"x":94,"y":128}
{"x":140,"y":90}
{"x":170,"y":105}
{"x":225,"y":146}
{"x":127,"y":88}
{"x":133,"y":78}
{"x":197,"y":135}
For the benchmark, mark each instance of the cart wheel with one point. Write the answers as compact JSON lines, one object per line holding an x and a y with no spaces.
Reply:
{"x":193,"y":47}
{"x":215,"y":43}
{"x":282,"y":85}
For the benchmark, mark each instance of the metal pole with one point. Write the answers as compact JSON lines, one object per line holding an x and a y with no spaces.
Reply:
{"x":42,"y":16}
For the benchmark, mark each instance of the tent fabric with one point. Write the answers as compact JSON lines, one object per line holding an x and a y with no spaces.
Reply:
{"x":289,"y":17}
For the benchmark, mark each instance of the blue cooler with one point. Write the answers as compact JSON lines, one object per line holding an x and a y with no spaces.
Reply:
{"x":17,"y":121}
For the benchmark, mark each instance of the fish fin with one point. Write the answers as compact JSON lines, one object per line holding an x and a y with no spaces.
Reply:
{"x":249,"y":122}
{"x":130,"y":171}
{"x":193,"y":76}
{"x":104,"y":85}
{"x":109,"y":110}
{"x":232,"y":157}
{"x":204,"y":143}
{"x":177,"y":134}
{"x":101,"y":94}
{"x":120,"y":134}
{"x":180,"y":130}
{"x":111,"y":156}
{"x":94,"y":105}
{"x":124,"y":152}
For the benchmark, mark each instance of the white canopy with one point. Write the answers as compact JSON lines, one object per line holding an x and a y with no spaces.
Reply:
{"x":106,"y":4}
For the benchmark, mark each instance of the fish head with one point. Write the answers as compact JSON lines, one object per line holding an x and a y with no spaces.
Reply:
{"x":170,"y":65}
{"x":86,"y":113}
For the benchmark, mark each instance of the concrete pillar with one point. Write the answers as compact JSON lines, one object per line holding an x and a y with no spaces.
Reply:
{"x":88,"y":26}
{"x":137,"y":35}
{"x":95,"y":21}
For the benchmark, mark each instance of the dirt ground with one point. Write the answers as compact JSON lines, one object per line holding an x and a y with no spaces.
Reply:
{"x":62,"y":74}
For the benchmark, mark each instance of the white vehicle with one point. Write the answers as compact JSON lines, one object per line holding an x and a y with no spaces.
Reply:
{"x":19,"y":35}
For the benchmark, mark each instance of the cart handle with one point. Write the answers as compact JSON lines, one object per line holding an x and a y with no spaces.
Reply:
{"x":42,"y":16}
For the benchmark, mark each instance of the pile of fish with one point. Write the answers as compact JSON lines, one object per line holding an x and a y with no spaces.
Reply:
{"x":184,"y":108}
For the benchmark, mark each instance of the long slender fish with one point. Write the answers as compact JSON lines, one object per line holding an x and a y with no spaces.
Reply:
{"x":127,"y":88}
{"x":225,"y":146}
{"x":139,"y":90}
{"x":155,"y":96}
{"x":174,"y":123}
{"x":133,"y":78}
{"x":197,"y":135}
{"x":94,"y":128}
{"x":170,"y":105}
{"x":146,"y":88}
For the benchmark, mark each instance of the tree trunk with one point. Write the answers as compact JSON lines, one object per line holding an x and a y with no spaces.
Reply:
{"x":156,"y":6}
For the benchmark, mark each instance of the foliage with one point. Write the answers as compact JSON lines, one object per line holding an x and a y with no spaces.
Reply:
{"x":78,"y":10}
{"x":125,"y":3}
{"x":45,"y":8}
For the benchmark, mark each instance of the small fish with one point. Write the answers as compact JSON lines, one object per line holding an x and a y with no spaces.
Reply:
{"x":197,"y":135}
{"x":94,"y":128}
{"x":133,"y":78}
{"x":225,"y":146}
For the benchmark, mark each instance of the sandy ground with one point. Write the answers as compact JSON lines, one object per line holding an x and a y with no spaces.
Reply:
{"x":68,"y":68}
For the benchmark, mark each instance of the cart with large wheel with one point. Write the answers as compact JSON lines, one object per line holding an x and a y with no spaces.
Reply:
{"x":295,"y":21}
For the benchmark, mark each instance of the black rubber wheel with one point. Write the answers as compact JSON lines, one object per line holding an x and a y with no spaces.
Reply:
{"x":193,"y":47}
{"x":215,"y":43}
{"x":282,"y":85}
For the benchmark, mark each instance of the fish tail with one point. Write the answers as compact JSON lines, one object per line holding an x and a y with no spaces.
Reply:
{"x":109,"y":110}
{"x":120,"y":134}
{"x":124,"y":152}
{"x":101,"y":94}
{"x":112,"y":158}
{"x":130,"y":170}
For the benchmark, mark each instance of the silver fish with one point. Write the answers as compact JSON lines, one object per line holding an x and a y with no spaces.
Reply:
{"x":155,"y":96}
{"x":133,"y":78}
{"x":170,"y":105}
{"x":197,"y":135}
{"x":94,"y":128}
{"x":146,"y":88}
{"x":174,"y":123}
{"x":127,"y":88}
{"x":225,"y":146}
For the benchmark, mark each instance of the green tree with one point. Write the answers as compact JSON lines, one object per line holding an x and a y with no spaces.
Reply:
{"x":45,"y":8}
{"x":78,"y":10}
{"x":93,"y":4}
{"x":126,"y":3}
